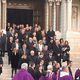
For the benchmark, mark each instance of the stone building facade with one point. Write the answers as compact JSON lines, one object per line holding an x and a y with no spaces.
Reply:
{"x":62,"y":15}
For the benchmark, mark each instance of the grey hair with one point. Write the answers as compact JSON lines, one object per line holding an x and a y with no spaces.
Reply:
{"x":49,"y":67}
{"x":24,"y":66}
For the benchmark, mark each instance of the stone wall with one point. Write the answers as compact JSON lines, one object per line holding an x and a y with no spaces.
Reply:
{"x":74,"y":40}
{"x":72,"y":33}
{"x":76,"y":15}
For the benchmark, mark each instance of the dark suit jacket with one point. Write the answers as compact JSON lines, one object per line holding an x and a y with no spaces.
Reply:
{"x":14,"y":45}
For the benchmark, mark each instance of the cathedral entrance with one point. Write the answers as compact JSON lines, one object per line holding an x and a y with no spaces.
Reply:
{"x":26,"y":12}
{"x":20,"y":16}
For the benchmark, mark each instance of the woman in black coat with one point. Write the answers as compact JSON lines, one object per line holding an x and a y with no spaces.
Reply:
{"x":14,"y":60}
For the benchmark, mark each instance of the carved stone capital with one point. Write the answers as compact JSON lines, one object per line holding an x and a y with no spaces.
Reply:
{"x":58,"y":2}
{"x":4,"y":1}
{"x":69,"y":0}
{"x":50,"y":2}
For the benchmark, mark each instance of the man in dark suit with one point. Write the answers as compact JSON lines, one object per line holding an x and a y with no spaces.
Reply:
{"x":9,"y":49}
{"x":57,"y":51}
{"x":32,"y":57}
{"x":32,"y":68}
{"x":50,"y":34}
{"x":24,"y":49}
{"x":3,"y":43}
{"x":16,"y":44}
{"x":30,"y":43}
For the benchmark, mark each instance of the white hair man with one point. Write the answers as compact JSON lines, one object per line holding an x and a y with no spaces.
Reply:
{"x":50,"y":74}
{"x":50,"y":68}
{"x":24,"y":66}
{"x":64,"y":74}
{"x":23,"y":74}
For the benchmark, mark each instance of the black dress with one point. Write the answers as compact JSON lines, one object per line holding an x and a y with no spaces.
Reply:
{"x":14,"y":60}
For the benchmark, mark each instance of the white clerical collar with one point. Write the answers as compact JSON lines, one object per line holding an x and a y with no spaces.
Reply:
{"x":62,"y":73}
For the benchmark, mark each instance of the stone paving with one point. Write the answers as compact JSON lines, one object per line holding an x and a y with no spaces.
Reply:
{"x":6,"y":75}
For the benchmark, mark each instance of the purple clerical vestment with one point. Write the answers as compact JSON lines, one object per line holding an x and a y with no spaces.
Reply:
{"x":23,"y":75}
{"x":77,"y":73}
{"x":64,"y":75}
{"x":42,"y":78}
{"x":47,"y":78}
{"x":50,"y":77}
{"x":66,"y":78}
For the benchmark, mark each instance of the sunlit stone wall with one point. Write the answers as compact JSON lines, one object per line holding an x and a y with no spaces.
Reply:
{"x":73,"y":36}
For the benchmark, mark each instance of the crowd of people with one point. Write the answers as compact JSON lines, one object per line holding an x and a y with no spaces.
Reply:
{"x":46,"y":57}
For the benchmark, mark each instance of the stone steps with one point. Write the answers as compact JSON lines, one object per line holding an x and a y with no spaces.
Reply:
{"x":6,"y":75}
{"x":75,"y":57}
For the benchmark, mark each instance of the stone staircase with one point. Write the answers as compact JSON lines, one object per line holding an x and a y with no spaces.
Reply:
{"x":6,"y":75}
{"x":75,"y":57}
{"x":74,"y":42}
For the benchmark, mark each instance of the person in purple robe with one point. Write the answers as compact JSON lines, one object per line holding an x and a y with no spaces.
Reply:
{"x":68,"y":77}
{"x":50,"y":74}
{"x":64,"y":74}
{"x":77,"y":74}
{"x":42,"y":78}
{"x":23,"y":74}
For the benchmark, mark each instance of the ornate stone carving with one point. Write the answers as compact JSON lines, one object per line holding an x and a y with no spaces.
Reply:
{"x":50,"y":2}
{"x":74,"y":18}
{"x":3,"y":1}
{"x":75,"y":11}
{"x":58,"y":2}
{"x":69,"y":0}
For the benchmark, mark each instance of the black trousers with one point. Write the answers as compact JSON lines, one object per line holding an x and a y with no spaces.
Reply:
{"x":0,"y":70}
{"x":1,"y":53}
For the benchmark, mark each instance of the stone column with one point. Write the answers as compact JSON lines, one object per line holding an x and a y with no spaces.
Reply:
{"x":54,"y":18}
{"x":0,"y":14}
{"x":4,"y":14}
{"x":69,"y":14}
{"x":58,"y":15}
{"x":50,"y":12}
{"x":46,"y":15}
{"x":63,"y":24}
